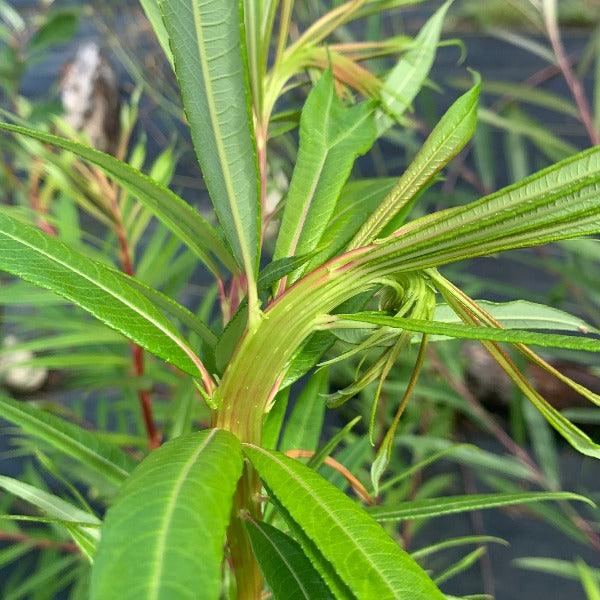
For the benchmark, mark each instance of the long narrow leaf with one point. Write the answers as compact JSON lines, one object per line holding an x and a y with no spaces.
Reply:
{"x":473,"y":332}
{"x":175,"y":214}
{"x":206,"y":40}
{"x":406,"y":79}
{"x":288,"y":571}
{"x":104,"y":292}
{"x":74,"y":441}
{"x":437,"y":507}
{"x":164,"y":536}
{"x":331,"y":138}
{"x":447,"y":139}
{"x":368,"y":560}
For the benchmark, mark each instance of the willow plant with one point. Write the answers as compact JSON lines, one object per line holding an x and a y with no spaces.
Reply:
{"x":223,"y":492}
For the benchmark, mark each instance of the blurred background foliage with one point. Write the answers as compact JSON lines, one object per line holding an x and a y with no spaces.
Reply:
{"x":466,"y":430}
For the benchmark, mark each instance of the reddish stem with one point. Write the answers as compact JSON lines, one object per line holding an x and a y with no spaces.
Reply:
{"x":34,"y":200}
{"x":41,"y":544}
{"x":137,"y":352}
{"x":573,"y":82}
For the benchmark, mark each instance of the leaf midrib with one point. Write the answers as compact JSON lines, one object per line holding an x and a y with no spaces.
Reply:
{"x":331,"y":514}
{"x":154,"y":587}
{"x":284,"y":560}
{"x":110,"y":292}
{"x":204,"y":73}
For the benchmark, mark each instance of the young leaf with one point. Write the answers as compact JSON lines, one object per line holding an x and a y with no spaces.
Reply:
{"x":371,"y":564}
{"x":457,"y":542}
{"x":288,"y":571}
{"x":522,"y":314}
{"x":329,"y":447}
{"x":175,"y":214}
{"x":74,"y":441}
{"x":164,"y":535}
{"x":447,"y":139}
{"x":206,"y":40}
{"x":357,"y":202}
{"x":437,"y":507}
{"x":405,"y":80}
{"x":559,"y":202}
{"x":331,"y":138}
{"x":104,"y":292}
{"x":473,"y":332}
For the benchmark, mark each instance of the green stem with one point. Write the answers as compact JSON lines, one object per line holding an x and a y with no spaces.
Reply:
{"x":248,"y":577}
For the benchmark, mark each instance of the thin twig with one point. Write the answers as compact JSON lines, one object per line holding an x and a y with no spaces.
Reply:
{"x":356,"y":485}
{"x":40,"y":544}
{"x":565,"y":66}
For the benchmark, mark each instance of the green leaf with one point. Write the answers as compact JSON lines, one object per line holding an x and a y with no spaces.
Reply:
{"x":462,"y":565}
{"x":437,"y":507}
{"x":173,"y":212}
{"x":357,"y":202}
{"x":340,"y":529}
{"x":331,"y":138}
{"x":405,"y":80}
{"x":320,"y":563}
{"x":277,"y":269}
{"x":553,"y":566}
{"x":327,"y":449}
{"x":205,"y":37}
{"x":556,"y":203}
{"x":287,"y":570}
{"x":85,"y":537}
{"x":474,"y":332}
{"x":456,"y":542}
{"x":522,"y":314}
{"x":448,"y":138}
{"x":60,"y":28}
{"x":588,"y":580}
{"x":303,"y":428}
{"x":104,"y":292}
{"x":164,"y":536}
{"x":74,"y":441}
{"x":152,"y":11}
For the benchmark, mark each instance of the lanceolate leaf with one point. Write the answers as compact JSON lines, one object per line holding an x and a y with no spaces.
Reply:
{"x":522,"y":314}
{"x":357,"y":202}
{"x":173,"y":212}
{"x":473,"y":332}
{"x":365,"y":557}
{"x":560,"y":202}
{"x":72,"y":440}
{"x":84,"y":536}
{"x":152,"y":11}
{"x":406,"y":79}
{"x":448,"y":138}
{"x":303,"y":428}
{"x":104,"y":292}
{"x":327,"y":571}
{"x":288,"y":571}
{"x":577,"y":438}
{"x":205,"y":39}
{"x":331,"y":138}
{"x":437,"y":507}
{"x":164,"y":536}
